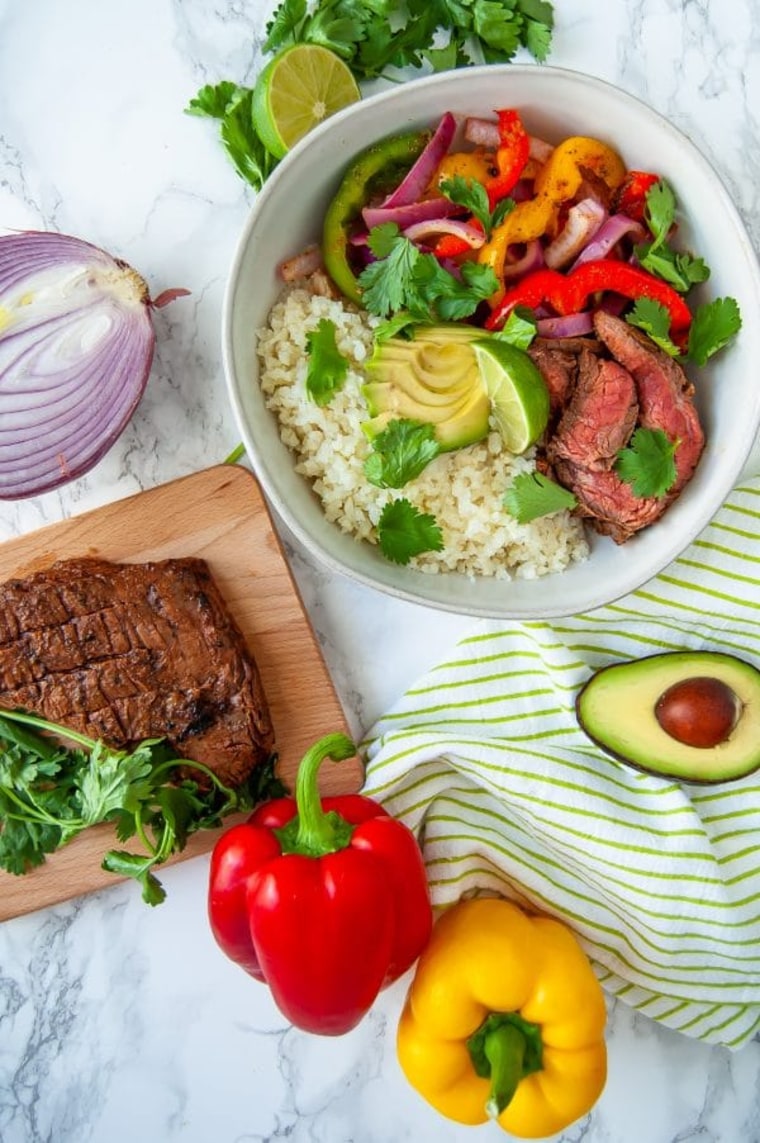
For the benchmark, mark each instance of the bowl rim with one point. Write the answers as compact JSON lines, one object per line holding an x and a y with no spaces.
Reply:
{"x":627,"y":583}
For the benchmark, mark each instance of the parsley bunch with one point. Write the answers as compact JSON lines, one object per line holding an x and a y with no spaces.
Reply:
{"x":50,"y":793}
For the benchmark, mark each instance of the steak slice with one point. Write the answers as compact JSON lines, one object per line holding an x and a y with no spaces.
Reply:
{"x":608,"y":502}
{"x":557,"y":359}
{"x":124,"y":652}
{"x":600,"y":416}
{"x":665,"y":393}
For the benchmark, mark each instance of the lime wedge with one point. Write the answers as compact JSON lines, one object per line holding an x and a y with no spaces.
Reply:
{"x":518,"y":393}
{"x":300,"y":87}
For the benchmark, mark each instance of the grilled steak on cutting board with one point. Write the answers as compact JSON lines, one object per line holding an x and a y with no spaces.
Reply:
{"x":124,"y":652}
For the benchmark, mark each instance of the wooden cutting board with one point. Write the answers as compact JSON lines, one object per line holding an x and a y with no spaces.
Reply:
{"x":220,"y":515}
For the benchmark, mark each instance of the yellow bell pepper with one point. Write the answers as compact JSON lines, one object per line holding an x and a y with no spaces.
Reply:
{"x":504,"y":1019}
{"x":557,"y":182}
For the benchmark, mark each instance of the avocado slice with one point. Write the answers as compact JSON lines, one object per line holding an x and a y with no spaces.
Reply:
{"x":432,"y":378}
{"x":689,"y":715}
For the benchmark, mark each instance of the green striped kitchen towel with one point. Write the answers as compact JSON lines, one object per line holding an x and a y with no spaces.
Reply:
{"x":484,"y":759}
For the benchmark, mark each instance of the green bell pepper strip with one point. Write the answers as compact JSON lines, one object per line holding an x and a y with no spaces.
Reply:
{"x":396,"y":153}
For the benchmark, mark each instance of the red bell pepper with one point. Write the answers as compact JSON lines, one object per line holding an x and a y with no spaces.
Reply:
{"x":511,"y":156}
{"x":631,"y":196}
{"x":325,"y":900}
{"x":569,"y":293}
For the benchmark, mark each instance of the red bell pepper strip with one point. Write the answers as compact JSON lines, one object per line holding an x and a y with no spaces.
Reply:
{"x":569,"y":293}
{"x":631,"y":197}
{"x":325,"y":900}
{"x":511,"y":156}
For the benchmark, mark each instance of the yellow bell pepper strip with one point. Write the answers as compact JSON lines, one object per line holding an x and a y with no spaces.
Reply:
{"x":557,"y":182}
{"x":569,"y":293}
{"x":504,"y":1019}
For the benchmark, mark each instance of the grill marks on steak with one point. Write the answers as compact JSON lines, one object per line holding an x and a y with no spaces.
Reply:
{"x":124,"y":652}
{"x":604,"y":401}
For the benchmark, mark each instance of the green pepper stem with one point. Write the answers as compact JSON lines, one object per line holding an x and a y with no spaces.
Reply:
{"x":317,"y":832}
{"x":505,"y":1051}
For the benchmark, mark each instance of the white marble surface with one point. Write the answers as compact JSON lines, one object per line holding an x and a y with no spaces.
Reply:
{"x":119,"y":1022}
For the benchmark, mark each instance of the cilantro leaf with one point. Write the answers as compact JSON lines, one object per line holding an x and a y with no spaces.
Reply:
{"x":212,"y":100}
{"x":648,"y":463}
{"x":532,"y":494}
{"x":660,"y":211}
{"x":653,"y":318}
{"x":403,"y":278}
{"x":519,"y":329}
{"x":405,"y":532}
{"x":679,"y":269}
{"x":285,"y":26}
{"x":251,"y":159}
{"x":713,"y":326}
{"x":400,"y":453}
{"x":327,"y":367}
{"x":473,"y":195}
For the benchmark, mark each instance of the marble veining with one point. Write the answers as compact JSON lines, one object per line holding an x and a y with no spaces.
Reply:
{"x":118,"y":1022}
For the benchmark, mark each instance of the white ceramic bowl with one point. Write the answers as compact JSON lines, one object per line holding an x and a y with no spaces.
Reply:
{"x":555,"y":103}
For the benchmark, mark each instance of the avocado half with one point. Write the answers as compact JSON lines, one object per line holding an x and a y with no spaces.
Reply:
{"x":700,"y":695}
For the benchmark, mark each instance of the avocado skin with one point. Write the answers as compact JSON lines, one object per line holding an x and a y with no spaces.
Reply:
{"x":615,"y":709}
{"x":433,"y":378}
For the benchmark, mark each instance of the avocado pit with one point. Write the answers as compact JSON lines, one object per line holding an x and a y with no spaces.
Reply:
{"x":700,"y":712}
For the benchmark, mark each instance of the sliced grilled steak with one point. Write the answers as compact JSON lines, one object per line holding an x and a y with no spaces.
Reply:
{"x":124,"y":652}
{"x":665,"y":393}
{"x":600,"y":417}
{"x":608,"y":502}
{"x":557,"y":359}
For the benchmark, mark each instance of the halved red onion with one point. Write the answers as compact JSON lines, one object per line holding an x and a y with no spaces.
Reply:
{"x":76,"y":347}
{"x":408,"y":215}
{"x":417,"y":180}
{"x":532,"y":259}
{"x":583,"y":221}
{"x":429,"y":228}
{"x":616,"y":227}
{"x":570,"y":325}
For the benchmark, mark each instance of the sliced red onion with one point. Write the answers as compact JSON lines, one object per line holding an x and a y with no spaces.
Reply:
{"x":76,"y":347}
{"x":408,"y":215}
{"x":482,"y":132}
{"x":301,"y":265}
{"x":583,"y":221}
{"x":417,"y":180}
{"x":607,"y":237}
{"x":571,"y":325}
{"x":419,"y":231}
{"x":532,"y":259}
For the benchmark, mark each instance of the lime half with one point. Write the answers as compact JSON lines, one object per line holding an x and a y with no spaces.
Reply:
{"x":518,"y":393}
{"x":300,"y":87}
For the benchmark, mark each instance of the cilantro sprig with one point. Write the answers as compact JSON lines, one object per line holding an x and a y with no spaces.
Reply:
{"x":50,"y":793}
{"x":678,"y":268}
{"x":403,"y":278}
{"x":474,"y":196}
{"x":231,"y":105}
{"x":376,"y":37}
{"x":401,"y":452}
{"x":404,"y":532}
{"x":647,"y":463}
{"x":714,"y":325}
{"x":327,"y":368}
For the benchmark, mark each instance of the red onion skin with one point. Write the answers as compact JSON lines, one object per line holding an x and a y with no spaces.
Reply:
{"x":532,"y":259}
{"x":410,"y":214}
{"x":419,"y":231}
{"x":583,"y":222}
{"x":570,"y":325}
{"x":617,"y":227}
{"x":418,"y":179}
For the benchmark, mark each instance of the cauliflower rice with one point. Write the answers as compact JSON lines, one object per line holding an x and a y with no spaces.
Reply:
{"x":463,"y":490}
